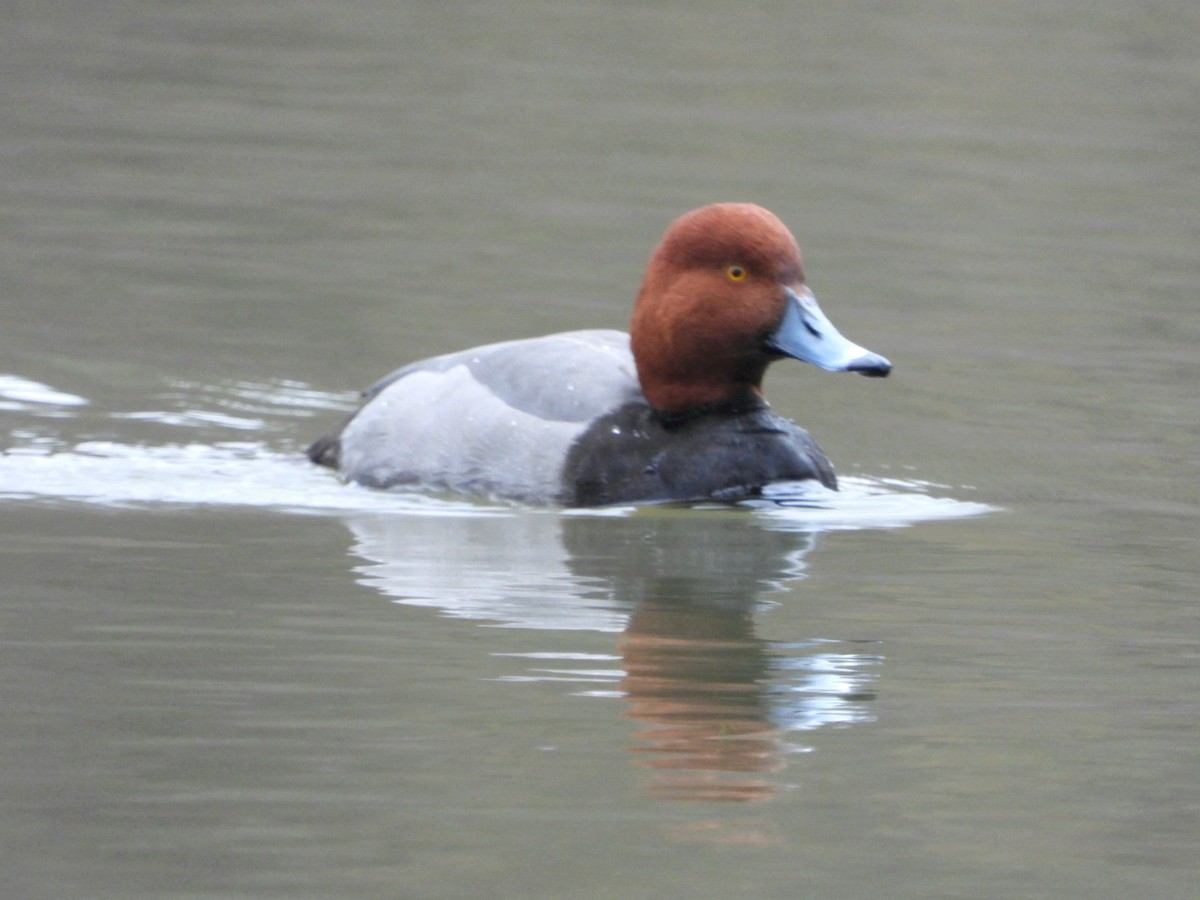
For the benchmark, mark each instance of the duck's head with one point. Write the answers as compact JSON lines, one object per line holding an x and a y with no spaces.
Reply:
{"x":722,"y":298}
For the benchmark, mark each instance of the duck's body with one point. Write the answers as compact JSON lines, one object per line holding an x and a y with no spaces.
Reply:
{"x":560,"y":419}
{"x":595,"y":417}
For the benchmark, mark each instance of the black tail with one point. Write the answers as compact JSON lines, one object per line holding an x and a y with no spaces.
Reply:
{"x":327,"y":450}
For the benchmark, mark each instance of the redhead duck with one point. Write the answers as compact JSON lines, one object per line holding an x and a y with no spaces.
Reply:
{"x":672,"y":411}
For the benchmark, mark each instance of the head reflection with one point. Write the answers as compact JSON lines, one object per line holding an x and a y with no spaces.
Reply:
{"x":695,"y":676}
{"x":720,"y":706}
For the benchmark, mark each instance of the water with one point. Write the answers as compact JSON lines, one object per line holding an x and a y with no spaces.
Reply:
{"x":970,"y":673}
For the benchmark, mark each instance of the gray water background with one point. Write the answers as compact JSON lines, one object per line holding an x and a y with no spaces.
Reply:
{"x":225,"y":675}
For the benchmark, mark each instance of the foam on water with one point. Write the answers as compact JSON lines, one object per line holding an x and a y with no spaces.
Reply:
{"x":41,"y":463}
{"x":17,"y":393}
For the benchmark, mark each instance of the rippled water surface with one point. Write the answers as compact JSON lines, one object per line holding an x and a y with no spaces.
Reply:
{"x":971,"y":672}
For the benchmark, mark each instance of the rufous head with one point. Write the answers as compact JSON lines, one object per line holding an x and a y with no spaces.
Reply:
{"x":722,"y":298}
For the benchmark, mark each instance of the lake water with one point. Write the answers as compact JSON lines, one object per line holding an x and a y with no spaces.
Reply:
{"x":972,"y":673}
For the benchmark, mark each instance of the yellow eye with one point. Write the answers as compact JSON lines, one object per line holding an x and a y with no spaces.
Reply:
{"x":735,"y":273}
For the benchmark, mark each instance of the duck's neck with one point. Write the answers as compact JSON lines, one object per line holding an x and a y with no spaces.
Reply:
{"x":733,"y":406}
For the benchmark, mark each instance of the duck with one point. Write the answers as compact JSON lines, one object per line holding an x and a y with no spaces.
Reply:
{"x":672,"y":411}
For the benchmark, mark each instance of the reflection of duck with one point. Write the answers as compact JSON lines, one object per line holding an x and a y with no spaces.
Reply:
{"x":672,"y":411}
{"x":684,"y":587}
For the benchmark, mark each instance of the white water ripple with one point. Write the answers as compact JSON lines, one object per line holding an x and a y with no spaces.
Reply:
{"x":17,"y":393}
{"x":39,"y":464}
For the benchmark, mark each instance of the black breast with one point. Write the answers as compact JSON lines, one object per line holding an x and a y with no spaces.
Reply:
{"x":633,"y":454}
